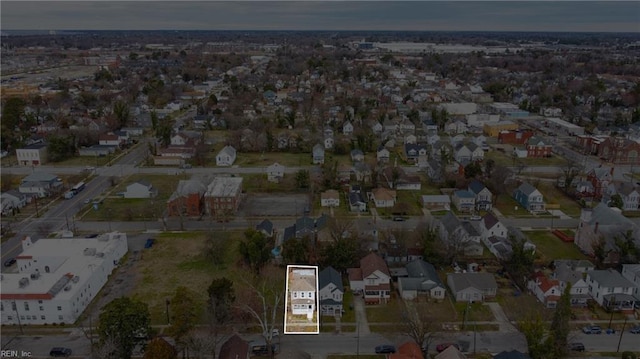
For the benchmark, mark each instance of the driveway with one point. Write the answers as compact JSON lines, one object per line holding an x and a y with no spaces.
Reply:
{"x":361,"y":315}
{"x":501,"y":318}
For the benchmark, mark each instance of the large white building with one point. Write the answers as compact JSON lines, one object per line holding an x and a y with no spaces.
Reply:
{"x":57,"y":278}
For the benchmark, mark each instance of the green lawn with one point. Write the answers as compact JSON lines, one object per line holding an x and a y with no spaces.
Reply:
{"x":504,"y":159}
{"x":550,"y":247}
{"x":555,"y":197}
{"x":509,"y":207}
{"x":476,"y":312}
{"x":84,"y":161}
{"x":266,"y":159}
{"x":115,"y":208}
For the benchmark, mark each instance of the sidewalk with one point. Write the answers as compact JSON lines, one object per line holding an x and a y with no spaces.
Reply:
{"x":361,"y":316}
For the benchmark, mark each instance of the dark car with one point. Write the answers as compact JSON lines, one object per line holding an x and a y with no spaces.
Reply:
{"x":442,"y":347}
{"x":60,"y":352}
{"x":576,"y":347}
{"x":592,"y":329}
{"x":149,"y":243}
{"x":398,"y":219}
{"x":9,"y":262}
{"x":92,"y":235}
{"x":635,"y":330}
{"x":385,"y":349}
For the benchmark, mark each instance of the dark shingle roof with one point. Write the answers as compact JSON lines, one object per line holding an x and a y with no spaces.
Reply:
{"x":330,"y":275}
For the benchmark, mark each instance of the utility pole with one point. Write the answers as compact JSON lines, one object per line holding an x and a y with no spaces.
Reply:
{"x":15,"y":306}
{"x":621,"y":332}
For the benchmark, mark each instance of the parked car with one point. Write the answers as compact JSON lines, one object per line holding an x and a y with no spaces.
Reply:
{"x":92,"y":235}
{"x":635,"y":330}
{"x":398,"y":219}
{"x":60,"y":352}
{"x":149,"y":243}
{"x":385,"y":349}
{"x":592,"y":329}
{"x":443,"y":346}
{"x":9,"y":262}
{"x":576,"y":347}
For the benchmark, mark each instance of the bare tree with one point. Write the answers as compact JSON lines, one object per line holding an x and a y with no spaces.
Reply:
{"x":263,"y":301}
{"x":418,"y":324}
{"x":339,"y":228}
{"x":454,"y":244}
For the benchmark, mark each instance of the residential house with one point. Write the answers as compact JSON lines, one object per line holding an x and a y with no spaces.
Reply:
{"x":455,"y":127}
{"x":611,"y":290}
{"x":603,"y":225}
{"x":372,"y":279}
{"x":407,"y":126}
{"x":32,"y":155}
{"x":397,"y":178}
{"x":529,"y":198}
{"x":472,"y":287}
{"x":572,"y":272}
{"x":547,"y":290}
{"x":357,"y":202}
{"x":140,"y":189}
{"x":226,"y":156}
{"x":357,"y":155}
{"x":383,"y":197}
{"x":436,"y":202}
{"x":187,"y":199}
{"x":330,"y":198}
{"x":318,"y":154}
{"x":452,"y":352}
{"x":328,"y":143}
{"x":462,"y":153}
{"x":302,"y":290}
{"x":600,"y":178}
{"x":11,"y":201}
{"x":481,"y":141}
{"x":223,"y":196}
{"x":477,"y":153}
{"x":537,"y":147}
{"x":490,"y":226}
{"x":344,"y":173}
{"x":331,"y":292}
{"x":422,"y":281}
{"x":483,"y":197}
{"x":96,"y":151}
{"x":347,"y":128}
{"x":266,"y":228}
{"x":109,"y":139}
{"x":234,"y":348}
{"x":382,"y":155}
{"x":628,"y":192}
{"x":632,"y":273}
{"x":40,"y":184}
{"x":362,"y":171}
{"x":407,"y":350}
{"x":413,"y":151}
{"x":410,"y":139}
{"x":456,"y":140}
{"x":459,"y":236}
{"x":463,"y":200}
{"x":275,"y":172}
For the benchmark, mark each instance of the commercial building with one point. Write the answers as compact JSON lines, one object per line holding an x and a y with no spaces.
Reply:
{"x":57,"y":278}
{"x":223,"y":196}
{"x":32,"y":155}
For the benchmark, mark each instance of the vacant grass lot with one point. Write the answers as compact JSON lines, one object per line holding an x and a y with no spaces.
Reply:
{"x":550,"y":247}
{"x":177,"y":260}
{"x":554,"y":196}
{"x":115,"y":208}
{"x":85,"y":161}
{"x":504,"y":159}
{"x":391,"y":312}
{"x":267,"y":159}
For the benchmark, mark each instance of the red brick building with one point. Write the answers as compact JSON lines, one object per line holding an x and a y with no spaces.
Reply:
{"x":187,"y":200}
{"x":611,"y":149}
{"x":519,"y":137}
{"x":536,"y":147}
{"x":223,"y":196}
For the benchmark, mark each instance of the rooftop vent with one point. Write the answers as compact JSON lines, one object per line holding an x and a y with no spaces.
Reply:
{"x":67,"y":288}
{"x":75,"y":279}
{"x":100,"y":254}
{"x":23,"y":282}
{"x":35,"y":275}
{"x":89,"y":251}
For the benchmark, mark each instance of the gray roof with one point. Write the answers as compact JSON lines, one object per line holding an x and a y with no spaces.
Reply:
{"x":476,"y":186}
{"x":423,"y":270}
{"x":610,"y":278}
{"x":605,"y":216}
{"x":266,"y":226}
{"x":463,"y":193}
{"x":526,"y":188}
{"x":436,"y":198}
{"x":330,"y":275}
{"x":470,"y":229}
{"x":40,"y":177}
{"x":450,"y":222}
{"x":480,"y":281}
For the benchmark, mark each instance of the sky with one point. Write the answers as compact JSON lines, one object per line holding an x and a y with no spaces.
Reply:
{"x":572,"y":16}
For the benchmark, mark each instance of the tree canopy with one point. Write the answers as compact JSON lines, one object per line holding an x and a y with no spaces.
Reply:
{"x":124,"y":322}
{"x":255,"y":249}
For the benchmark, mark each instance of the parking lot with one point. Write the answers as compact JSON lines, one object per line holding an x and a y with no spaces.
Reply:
{"x":274,"y":205}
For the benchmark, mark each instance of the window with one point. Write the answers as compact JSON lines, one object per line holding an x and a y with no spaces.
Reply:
{"x":59,"y":308}
{"x":60,"y":317}
{"x":13,"y":306}
{"x":9,"y":317}
{"x":302,"y":294}
{"x":43,"y":317}
{"x":41,"y":308}
{"x":26,"y":306}
{"x":46,"y":269}
{"x":1,"y":307}
{"x":295,"y":294}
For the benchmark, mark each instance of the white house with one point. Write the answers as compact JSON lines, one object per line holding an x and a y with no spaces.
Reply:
{"x":140,"y":189}
{"x":548,"y":291}
{"x":463,"y":200}
{"x":331,"y":292}
{"x":382,"y":155}
{"x":275,"y":172}
{"x":328,"y":143}
{"x":32,"y":155}
{"x":347,"y":128}
{"x":484,"y":197}
{"x":57,"y":278}
{"x":472,"y":287}
{"x":490,"y":226}
{"x":632,"y":273}
{"x":421,"y":281}
{"x":318,"y":154}
{"x":330,"y":198}
{"x":11,"y":201}
{"x":226,"y":156}
{"x":302,"y":289}
{"x":383,"y":197}
{"x":611,"y":290}
{"x":572,"y":272}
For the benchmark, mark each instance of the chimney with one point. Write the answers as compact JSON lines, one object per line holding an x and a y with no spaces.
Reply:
{"x":595,"y":230}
